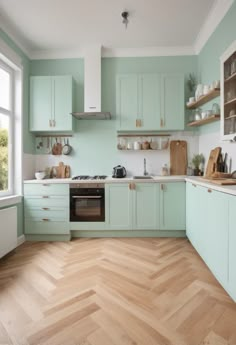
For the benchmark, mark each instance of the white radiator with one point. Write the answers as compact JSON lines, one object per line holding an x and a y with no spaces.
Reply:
{"x":8,"y":230}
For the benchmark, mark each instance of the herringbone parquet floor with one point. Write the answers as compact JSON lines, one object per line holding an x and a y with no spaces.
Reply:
{"x":112,"y":292}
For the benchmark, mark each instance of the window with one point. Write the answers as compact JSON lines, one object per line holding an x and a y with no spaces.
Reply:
{"x":6,"y":129}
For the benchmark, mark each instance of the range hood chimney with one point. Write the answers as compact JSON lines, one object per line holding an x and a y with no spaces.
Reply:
{"x":92,"y":86}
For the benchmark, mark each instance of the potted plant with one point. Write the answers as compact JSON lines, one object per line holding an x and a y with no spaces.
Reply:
{"x":197,"y":160}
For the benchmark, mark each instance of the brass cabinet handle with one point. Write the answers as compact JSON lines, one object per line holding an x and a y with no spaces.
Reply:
{"x":209,"y":190}
{"x":45,"y":208}
{"x":162,"y":186}
{"x":138,"y":123}
{"x":46,"y":184}
{"x":194,"y":185}
{"x":162,"y":122}
{"x":45,"y":220}
{"x":45,"y":197}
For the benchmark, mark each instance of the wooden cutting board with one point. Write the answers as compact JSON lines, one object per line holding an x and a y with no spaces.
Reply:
{"x":212,"y":161}
{"x":223,"y":181}
{"x":178,"y":157}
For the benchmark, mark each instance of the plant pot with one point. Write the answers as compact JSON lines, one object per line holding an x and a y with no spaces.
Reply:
{"x":196,"y":172}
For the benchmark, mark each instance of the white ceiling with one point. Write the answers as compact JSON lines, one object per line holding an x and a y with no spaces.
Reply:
{"x":70,"y":25}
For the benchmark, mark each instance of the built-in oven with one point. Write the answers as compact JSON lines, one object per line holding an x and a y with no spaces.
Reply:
{"x":87,"y":202}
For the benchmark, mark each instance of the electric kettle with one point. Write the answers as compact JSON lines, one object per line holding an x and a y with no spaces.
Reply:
{"x":119,"y":172}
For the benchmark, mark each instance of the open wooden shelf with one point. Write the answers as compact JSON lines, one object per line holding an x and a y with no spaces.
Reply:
{"x":212,"y":118}
{"x":232,"y":101}
{"x":204,"y":99}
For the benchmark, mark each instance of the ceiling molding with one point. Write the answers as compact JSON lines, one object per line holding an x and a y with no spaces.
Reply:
{"x":217,"y":13}
{"x":7,"y":28}
{"x":114,"y":52}
{"x":148,"y":51}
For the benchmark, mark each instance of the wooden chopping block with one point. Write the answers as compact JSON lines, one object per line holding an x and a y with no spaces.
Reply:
{"x":67,"y":171}
{"x":222,"y":181}
{"x":178,"y":157}
{"x":61,"y":170}
{"x":212,"y":161}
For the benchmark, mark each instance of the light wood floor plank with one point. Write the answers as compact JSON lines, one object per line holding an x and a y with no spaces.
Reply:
{"x":124,"y":291}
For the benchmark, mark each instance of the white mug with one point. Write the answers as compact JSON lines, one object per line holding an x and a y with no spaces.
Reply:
{"x":137,"y":145}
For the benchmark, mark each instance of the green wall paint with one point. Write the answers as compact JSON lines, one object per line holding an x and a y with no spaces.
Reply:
{"x":28,"y":138}
{"x":97,"y":139}
{"x":209,"y":57}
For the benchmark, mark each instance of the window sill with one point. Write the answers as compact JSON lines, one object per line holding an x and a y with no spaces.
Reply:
{"x":10,"y":200}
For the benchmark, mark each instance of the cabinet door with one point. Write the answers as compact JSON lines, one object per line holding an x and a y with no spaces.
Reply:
{"x":62,"y":103}
{"x":216,"y":234}
{"x":149,"y":101}
{"x":146,"y":206}
{"x":172,"y":102}
{"x":40,"y":103}
{"x":118,"y":206}
{"x":127,"y":102}
{"x":232,"y":246}
{"x":196,"y":216}
{"x":172,"y":206}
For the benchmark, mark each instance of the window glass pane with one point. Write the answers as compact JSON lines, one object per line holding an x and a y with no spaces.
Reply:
{"x":4,"y":89}
{"x":4,"y":159}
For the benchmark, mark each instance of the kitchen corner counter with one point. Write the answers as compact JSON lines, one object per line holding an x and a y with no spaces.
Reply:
{"x":110,"y":179}
{"x":220,"y":188}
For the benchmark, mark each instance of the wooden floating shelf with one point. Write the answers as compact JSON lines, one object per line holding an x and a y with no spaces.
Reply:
{"x":233,"y":76}
{"x":142,"y":135}
{"x":204,"y":99}
{"x":209,"y":119}
{"x":53,"y":136}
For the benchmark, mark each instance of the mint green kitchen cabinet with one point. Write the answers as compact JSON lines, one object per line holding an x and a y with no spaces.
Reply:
{"x":207,"y":227}
{"x":150,"y":102}
{"x":118,"y":206}
{"x":172,"y":206}
{"x":51,"y":103}
{"x":46,"y":209}
{"x":232,"y":246}
{"x":196,"y":216}
{"x":172,"y":102}
{"x":127,"y":107}
{"x":145,"y":206}
{"x":216,"y":233}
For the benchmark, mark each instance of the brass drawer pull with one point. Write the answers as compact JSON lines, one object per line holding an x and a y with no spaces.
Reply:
{"x":209,"y":190}
{"x":46,"y":184}
{"x":45,"y":208}
{"x":194,"y":185}
{"x":45,"y":220}
{"x":45,"y":197}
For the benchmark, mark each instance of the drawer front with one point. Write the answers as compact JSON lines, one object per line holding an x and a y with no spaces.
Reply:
{"x":46,"y":228}
{"x":46,"y":201}
{"x":52,"y":213}
{"x":46,"y":189}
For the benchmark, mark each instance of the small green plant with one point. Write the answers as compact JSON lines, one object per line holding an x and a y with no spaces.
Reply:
{"x":197,"y":160}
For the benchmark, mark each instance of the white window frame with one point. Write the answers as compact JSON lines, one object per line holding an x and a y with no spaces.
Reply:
{"x":10,"y":114}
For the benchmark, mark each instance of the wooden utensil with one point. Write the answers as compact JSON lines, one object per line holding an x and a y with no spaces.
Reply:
{"x":178,"y":157}
{"x":212,"y":161}
{"x":67,"y":171}
{"x":223,"y":181}
{"x":61,"y":170}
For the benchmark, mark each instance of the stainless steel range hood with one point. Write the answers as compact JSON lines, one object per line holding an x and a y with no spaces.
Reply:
{"x":92,"y":87}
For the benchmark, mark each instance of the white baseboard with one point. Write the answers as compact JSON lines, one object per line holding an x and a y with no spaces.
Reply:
{"x":20,"y":240}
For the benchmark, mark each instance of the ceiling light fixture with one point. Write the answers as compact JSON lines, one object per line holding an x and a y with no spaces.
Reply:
{"x":125,"y":16}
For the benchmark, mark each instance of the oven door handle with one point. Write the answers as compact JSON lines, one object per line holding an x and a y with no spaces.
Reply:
{"x":87,"y":197}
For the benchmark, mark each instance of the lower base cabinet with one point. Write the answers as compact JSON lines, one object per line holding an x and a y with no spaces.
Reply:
{"x":145,"y":206}
{"x":46,"y":209}
{"x":211,"y":219}
{"x":232,"y":246}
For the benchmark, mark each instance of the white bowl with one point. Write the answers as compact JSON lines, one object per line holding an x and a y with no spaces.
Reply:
{"x":39,"y":175}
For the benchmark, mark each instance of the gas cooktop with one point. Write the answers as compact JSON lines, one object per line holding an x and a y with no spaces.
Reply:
{"x":87,"y":177}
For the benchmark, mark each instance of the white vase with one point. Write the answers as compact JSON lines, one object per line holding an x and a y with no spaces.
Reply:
{"x":199,"y":91}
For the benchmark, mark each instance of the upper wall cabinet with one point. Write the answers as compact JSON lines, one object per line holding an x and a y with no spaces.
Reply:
{"x":51,"y":103}
{"x":228,"y":93}
{"x":150,"y":102}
